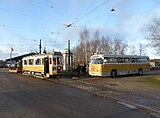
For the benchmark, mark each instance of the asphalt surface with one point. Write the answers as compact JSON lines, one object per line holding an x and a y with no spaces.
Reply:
{"x":28,"y":97}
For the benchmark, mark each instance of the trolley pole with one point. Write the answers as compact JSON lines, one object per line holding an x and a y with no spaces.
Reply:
{"x":40,"y":47}
{"x":69,"y":55}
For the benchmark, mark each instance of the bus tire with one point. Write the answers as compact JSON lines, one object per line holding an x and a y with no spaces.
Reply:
{"x":113,"y":73}
{"x":140,"y":71}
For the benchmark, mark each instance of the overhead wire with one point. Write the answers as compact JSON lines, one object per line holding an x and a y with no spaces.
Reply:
{"x":81,"y":17}
{"x":20,"y":13}
{"x":86,"y":8}
{"x":117,"y":5}
{"x":42,"y":4}
{"x":17,"y":27}
{"x":26,"y":15}
{"x":89,"y":12}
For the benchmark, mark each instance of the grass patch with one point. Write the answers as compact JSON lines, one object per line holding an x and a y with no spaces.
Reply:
{"x":154,"y":79}
{"x":73,"y":73}
{"x":69,"y":73}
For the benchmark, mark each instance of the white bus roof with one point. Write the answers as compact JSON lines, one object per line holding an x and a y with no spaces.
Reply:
{"x":120,"y":56}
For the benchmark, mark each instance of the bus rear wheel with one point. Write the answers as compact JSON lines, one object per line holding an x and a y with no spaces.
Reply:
{"x":113,"y":73}
{"x":140,"y":72}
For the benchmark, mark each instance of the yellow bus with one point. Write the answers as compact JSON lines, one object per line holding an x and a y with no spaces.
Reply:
{"x":114,"y":65}
{"x":43,"y":65}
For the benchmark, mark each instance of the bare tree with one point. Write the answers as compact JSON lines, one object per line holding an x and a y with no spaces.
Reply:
{"x":95,"y":42}
{"x":132,"y":50}
{"x":119,"y":46}
{"x":106,"y":45}
{"x":88,"y":46}
{"x":154,"y":34}
{"x":141,"y":49}
{"x":82,"y":50}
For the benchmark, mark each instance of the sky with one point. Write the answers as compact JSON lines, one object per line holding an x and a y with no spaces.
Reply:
{"x":24,"y":22}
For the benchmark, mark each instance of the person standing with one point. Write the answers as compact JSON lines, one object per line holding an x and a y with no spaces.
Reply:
{"x":84,"y":69}
{"x":78,"y":70}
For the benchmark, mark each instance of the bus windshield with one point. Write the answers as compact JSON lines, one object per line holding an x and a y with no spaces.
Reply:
{"x":96,"y":61}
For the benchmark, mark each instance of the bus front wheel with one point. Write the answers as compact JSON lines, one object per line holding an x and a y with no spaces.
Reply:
{"x":140,"y":72}
{"x":113,"y":73}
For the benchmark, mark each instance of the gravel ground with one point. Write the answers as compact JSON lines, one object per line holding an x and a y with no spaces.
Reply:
{"x":137,"y":90}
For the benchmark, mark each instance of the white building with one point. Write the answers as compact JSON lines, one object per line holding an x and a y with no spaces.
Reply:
{"x":65,"y":59}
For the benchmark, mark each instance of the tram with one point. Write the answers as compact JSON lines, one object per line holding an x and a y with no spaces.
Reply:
{"x":43,"y":65}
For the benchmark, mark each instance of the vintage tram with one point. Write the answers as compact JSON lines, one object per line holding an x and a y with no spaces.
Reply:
{"x":43,"y":65}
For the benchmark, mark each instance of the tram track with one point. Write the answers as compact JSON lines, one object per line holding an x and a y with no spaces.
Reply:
{"x":135,"y":98}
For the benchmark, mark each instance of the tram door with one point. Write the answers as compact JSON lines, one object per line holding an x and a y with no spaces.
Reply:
{"x":46,"y":65}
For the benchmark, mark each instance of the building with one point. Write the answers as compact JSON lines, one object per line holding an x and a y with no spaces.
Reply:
{"x":66,"y":59}
{"x":12,"y":62}
{"x":154,"y":64}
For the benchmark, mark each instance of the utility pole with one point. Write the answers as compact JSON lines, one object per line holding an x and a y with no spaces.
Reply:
{"x":44,"y":50}
{"x":69,"y":55}
{"x":40,"y":47}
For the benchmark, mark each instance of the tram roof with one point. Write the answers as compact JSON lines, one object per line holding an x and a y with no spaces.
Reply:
{"x":43,"y":55}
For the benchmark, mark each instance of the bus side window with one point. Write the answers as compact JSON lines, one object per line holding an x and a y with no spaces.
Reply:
{"x":120,"y":60}
{"x":114,"y":60}
{"x":107,"y":59}
{"x":126,"y":60}
{"x":133,"y":60}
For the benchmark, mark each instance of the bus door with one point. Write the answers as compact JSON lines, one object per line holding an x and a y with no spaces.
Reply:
{"x":46,"y":65}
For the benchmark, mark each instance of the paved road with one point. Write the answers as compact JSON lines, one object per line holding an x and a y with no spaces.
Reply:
{"x":28,"y":97}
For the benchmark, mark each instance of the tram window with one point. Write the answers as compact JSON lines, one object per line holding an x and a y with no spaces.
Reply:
{"x":42,"y":61}
{"x":30,"y":61}
{"x":38,"y":61}
{"x":25,"y":62}
{"x":58,"y":60}
{"x":54,"y":61}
